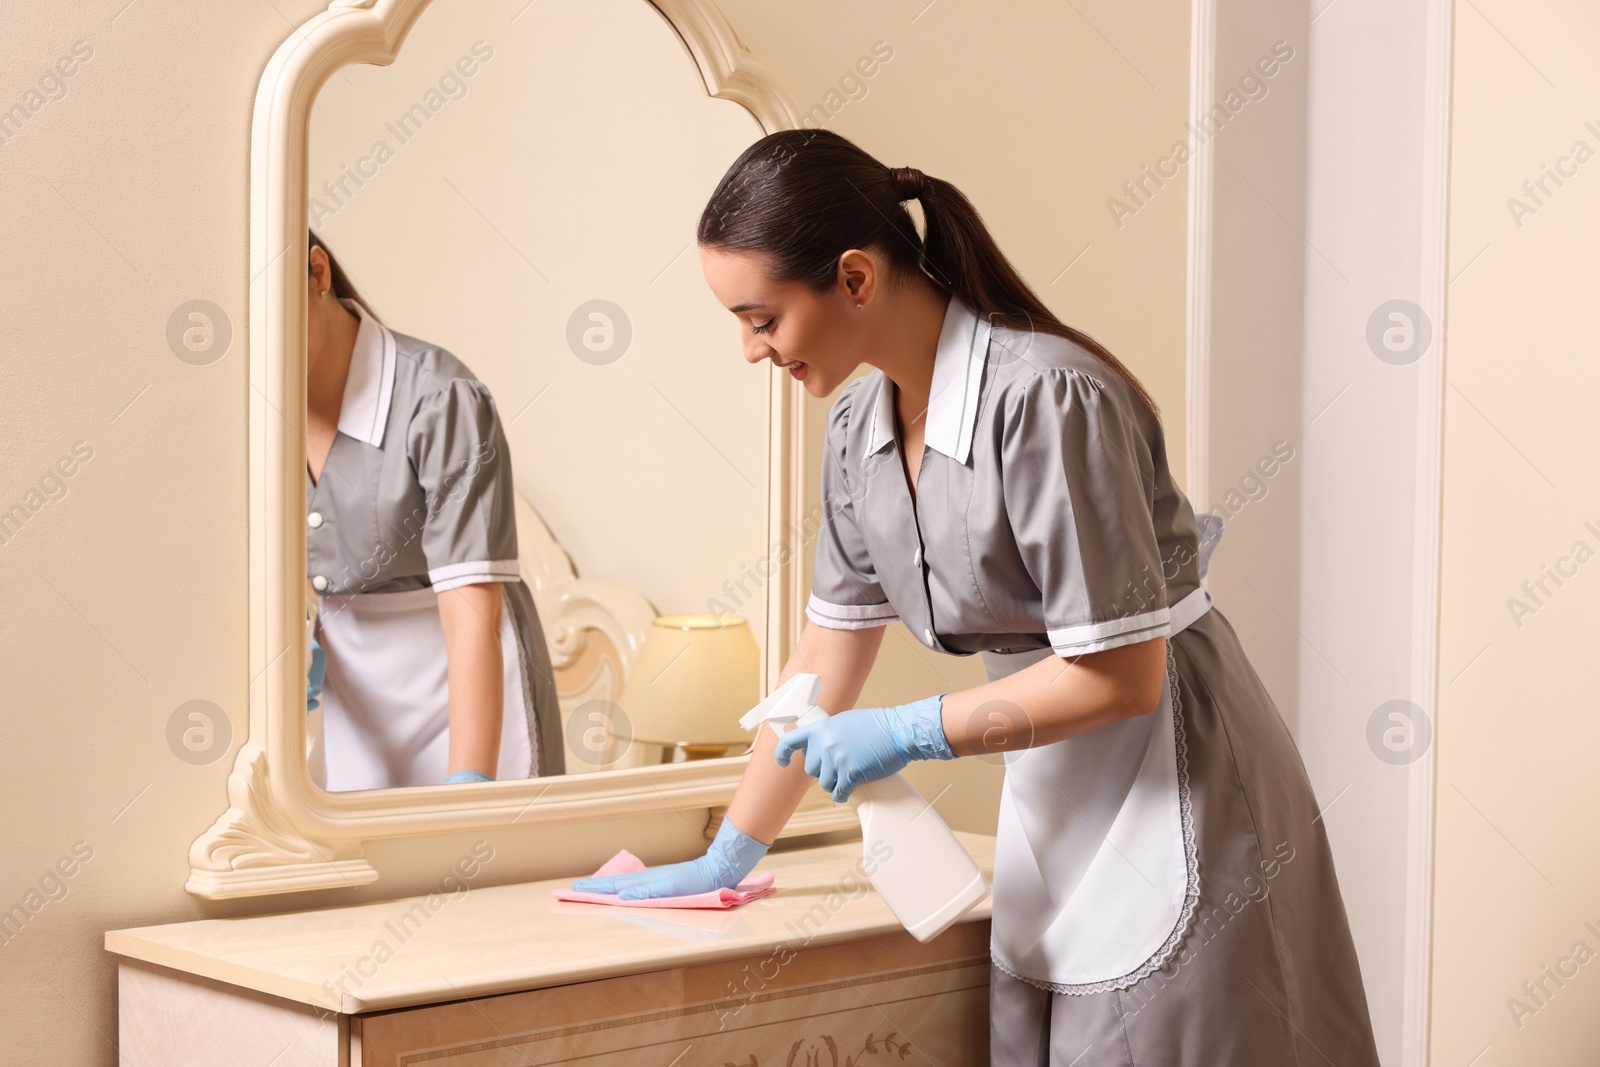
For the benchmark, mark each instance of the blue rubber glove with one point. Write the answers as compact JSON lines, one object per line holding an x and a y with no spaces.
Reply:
{"x":865,"y":744}
{"x":464,"y":775}
{"x":733,"y":854}
{"x":319,"y":670}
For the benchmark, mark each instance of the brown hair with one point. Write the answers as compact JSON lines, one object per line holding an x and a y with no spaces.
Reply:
{"x":803,"y":197}
{"x":343,"y":287}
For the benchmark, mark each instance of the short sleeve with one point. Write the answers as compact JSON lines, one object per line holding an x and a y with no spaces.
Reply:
{"x":1077,"y":477}
{"x":845,"y":594}
{"x":459,"y":454}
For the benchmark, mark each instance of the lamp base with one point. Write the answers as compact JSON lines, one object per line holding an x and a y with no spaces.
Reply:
{"x":670,"y":753}
{"x":692,"y":752}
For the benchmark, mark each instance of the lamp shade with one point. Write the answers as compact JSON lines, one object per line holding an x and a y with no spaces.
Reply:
{"x":694,"y":678}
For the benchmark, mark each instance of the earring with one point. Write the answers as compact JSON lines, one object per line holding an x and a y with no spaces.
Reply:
{"x":858,"y":307}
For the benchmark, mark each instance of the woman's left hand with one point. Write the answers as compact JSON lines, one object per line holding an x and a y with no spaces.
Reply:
{"x":865,"y":744}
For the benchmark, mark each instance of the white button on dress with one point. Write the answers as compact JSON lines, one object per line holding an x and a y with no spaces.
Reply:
{"x":314,"y":519}
{"x":319,"y":583}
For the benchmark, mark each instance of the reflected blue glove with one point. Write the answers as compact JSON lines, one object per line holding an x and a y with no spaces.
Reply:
{"x":319,"y":670}
{"x":465,"y":775}
{"x":865,"y":744}
{"x":732,"y":855}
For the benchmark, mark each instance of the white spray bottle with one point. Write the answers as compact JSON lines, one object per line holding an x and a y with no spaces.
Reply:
{"x":927,"y":879}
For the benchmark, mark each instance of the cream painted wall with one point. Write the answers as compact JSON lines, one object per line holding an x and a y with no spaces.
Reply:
{"x":124,"y":593}
{"x":1517,"y":871}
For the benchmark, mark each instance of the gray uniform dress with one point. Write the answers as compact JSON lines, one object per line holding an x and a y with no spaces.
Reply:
{"x":416,"y":497}
{"x":1163,"y":890}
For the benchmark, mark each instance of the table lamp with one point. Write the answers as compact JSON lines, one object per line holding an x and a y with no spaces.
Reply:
{"x":694,"y":678}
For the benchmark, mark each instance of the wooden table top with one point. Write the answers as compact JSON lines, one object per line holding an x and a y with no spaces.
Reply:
{"x":486,"y":940}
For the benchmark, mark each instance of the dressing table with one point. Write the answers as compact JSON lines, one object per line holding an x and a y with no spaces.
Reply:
{"x":820,"y":973}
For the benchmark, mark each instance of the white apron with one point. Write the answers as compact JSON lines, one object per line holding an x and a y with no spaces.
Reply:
{"x":1095,"y":870}
{"x":385,"y":698}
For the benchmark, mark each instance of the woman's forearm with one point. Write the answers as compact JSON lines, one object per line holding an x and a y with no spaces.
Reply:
{"x":767,"y":793}
{"x":470,"y":616}
{"x":1055,"y":699}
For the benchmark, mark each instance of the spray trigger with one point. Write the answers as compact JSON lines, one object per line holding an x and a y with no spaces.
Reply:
{"x":787,"y":703}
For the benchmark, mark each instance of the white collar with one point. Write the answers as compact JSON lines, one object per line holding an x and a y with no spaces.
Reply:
{"x":953,"y":394}
{"x":369,"y":385}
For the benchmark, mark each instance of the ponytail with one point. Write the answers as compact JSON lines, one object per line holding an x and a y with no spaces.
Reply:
{"x":343,"y":287}
{"x":803,"y":197}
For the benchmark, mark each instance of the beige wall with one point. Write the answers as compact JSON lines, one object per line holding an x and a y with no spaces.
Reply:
{"x":124,"y":595}
{"x":1518,"y":808}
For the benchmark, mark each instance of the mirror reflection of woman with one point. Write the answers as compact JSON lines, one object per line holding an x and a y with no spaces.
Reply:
{"x":1164,"y":892}
{"x":436,"y":671}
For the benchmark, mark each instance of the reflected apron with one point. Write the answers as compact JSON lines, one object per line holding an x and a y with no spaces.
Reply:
{"x":386,"y":695}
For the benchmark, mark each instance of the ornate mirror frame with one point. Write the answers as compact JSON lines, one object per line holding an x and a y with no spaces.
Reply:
{"x":282,"y":833}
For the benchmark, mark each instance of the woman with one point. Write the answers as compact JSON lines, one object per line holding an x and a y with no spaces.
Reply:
{"x":436,"y":663}
{"x":1163,"y":891}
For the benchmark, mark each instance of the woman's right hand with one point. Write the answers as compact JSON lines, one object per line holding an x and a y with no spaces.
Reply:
{"x":732,"y":856}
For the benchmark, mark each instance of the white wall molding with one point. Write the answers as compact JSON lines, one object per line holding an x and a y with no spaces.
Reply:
{"x":1197,"y":288}
{"x":1433,"y":299}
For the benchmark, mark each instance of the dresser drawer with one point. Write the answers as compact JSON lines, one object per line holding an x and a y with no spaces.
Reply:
{"x":886,"y":999}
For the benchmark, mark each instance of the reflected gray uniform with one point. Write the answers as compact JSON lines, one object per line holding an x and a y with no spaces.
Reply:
{"x":1162,"y":893}
{"x":416,"y":497}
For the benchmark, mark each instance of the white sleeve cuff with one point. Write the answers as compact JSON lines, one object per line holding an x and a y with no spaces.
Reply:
{"x":849,"y":616}
{"x":455,"y":575}
{"x":1099,"y":636}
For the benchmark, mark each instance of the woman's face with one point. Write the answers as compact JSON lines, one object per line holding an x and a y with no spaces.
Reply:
{"x":812,"y":336}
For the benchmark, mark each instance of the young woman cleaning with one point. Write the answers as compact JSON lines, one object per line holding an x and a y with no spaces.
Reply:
{"x":1163,"y":891}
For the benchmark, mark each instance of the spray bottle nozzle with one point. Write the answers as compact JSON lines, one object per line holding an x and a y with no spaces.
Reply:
{"x":786,"y":704}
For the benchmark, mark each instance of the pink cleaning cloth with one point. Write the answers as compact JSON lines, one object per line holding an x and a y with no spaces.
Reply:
{"x":753,"y":888}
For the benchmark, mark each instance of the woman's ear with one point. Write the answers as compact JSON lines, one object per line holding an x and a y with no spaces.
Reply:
{"x":858,"y":273}
{"x":320,"y":273}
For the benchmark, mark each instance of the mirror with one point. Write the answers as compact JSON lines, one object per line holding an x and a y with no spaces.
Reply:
{"x":597,"y":591}
{"x":514,"y":367}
